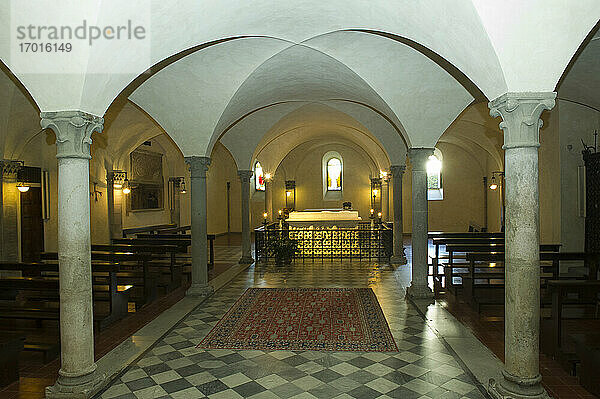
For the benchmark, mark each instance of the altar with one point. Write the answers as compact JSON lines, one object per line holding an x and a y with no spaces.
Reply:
{"x":324,"y":217}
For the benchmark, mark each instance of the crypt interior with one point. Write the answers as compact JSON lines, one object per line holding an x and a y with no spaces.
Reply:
{"x":384,"y":199}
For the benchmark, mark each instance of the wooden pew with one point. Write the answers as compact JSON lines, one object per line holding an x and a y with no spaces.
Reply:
{"x":158,"y":253}
{"x":46,"y":289}
{"x":440,"y":238}
{"x":175,"y":230}
{"x":147,"y":229}
{"x":489,"y":267}
{"x":129,"y":269}
{"x":587,"y":350}
{"x":11,"y":344}
{"x":586,"y":291}
{"x":492,"y":248}
{"x":163,"y":236}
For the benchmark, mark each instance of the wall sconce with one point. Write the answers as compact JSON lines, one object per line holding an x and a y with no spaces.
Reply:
{"x":290,"y":194}
{"x":126,"y":187}
{"x":117,"y":179}
{"x":494,"y":183}
{"x":376,"y":193}
{"x":268,"y":176}
{"x":22,"y":187}
{"x":16,"y":170}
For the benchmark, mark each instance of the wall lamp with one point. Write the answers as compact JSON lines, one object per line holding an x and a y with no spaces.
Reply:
{"x":119,"y":181}
{"x":494,"y":183}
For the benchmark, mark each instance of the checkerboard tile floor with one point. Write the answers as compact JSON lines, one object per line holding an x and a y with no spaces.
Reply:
{"x":422,"y":368}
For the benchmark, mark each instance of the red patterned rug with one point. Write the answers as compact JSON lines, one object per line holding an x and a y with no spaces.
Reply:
{"x":325,"y":319}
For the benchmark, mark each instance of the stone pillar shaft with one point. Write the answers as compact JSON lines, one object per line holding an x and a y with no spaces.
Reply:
{"x":397,"y":174}
{"x":520,"y":113}
{"x":110,"y":205}
{"x":269,"y":199}
{"x":73,"y":129}
{"x":385,"y":199}
{"x":419,"y":286}
{"x":245,"y":176}
{"x":198,"y":169}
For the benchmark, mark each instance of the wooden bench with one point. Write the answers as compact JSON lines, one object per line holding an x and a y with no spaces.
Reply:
{"x":148,"y":229}
{"x":161,"y":256}
{"x":484,"y":283}
{"x":492,"y":248}
{"x":441,"y":240}
{"x":586,"y":291}
{"x":175,"y":230}
{"x":587,"y":350}
{"x":11,"y":344}
{"x":48,"y":289}
{"x":126,"y":269}
{"x":210,"y":238}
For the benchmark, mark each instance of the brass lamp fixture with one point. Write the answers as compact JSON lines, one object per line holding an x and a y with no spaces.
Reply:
{"x":290,"y":194}
{"x":376,"y":193}
{"x":119,"y":181}
{"x":494,"y":182}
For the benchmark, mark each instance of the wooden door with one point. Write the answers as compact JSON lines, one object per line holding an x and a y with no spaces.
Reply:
{"x":32,"y":225}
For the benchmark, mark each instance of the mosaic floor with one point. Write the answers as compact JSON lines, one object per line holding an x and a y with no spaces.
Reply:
{"x":424,"y":367}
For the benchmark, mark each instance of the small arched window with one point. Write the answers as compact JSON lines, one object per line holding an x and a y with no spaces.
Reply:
{"x":334,"y":175}
{"x":434,"y":173}
{"x":259,"y":177}
{"x":435,"y":189}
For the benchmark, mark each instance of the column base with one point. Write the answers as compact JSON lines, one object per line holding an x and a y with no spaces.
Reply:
{"x":198,"y":290}
{"x":398,"y":260}
{"x":419,"y":292}
{"x":512,"y":387}
{"x":82,"y":387}
{"x":246,"y":260}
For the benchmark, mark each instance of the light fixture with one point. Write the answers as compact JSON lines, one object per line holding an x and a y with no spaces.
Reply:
{"x":379,"y":215}
{"x":383,"y":174}
{"x":117,"y":177}
{"x":288,"y":193}
{"x":265,"y":215}
{"x":182,"y":189}
{"x":494,"y":184}
{"x":126,"y":187}
{"x":268,"y":176}
{"x":22,"y":187}
{"x":375,"y":192}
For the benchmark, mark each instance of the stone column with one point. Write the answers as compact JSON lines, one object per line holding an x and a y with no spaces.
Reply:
{"x":110,"y":205}
{"x":245,"y":176}
{"x":77,"y":377}
{"x":521,"y":123}
{"x":420,"y":265}
{"x":385,"y":199}
{"x":269,"y":199}
{"x":397,"y":174}
{"x":198,"y":169}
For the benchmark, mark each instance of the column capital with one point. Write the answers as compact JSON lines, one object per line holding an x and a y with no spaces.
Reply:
{"x":245,"y":175}
{"x":397,"y":170}
{"x":419,"y":156}
{"x":73,"y":131}
{"x":520,"y":114}
{"x":198,"y":165}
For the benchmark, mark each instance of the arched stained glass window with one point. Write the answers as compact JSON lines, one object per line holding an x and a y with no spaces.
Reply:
{"x":334,"y":175}
{"x":259,"y":177}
